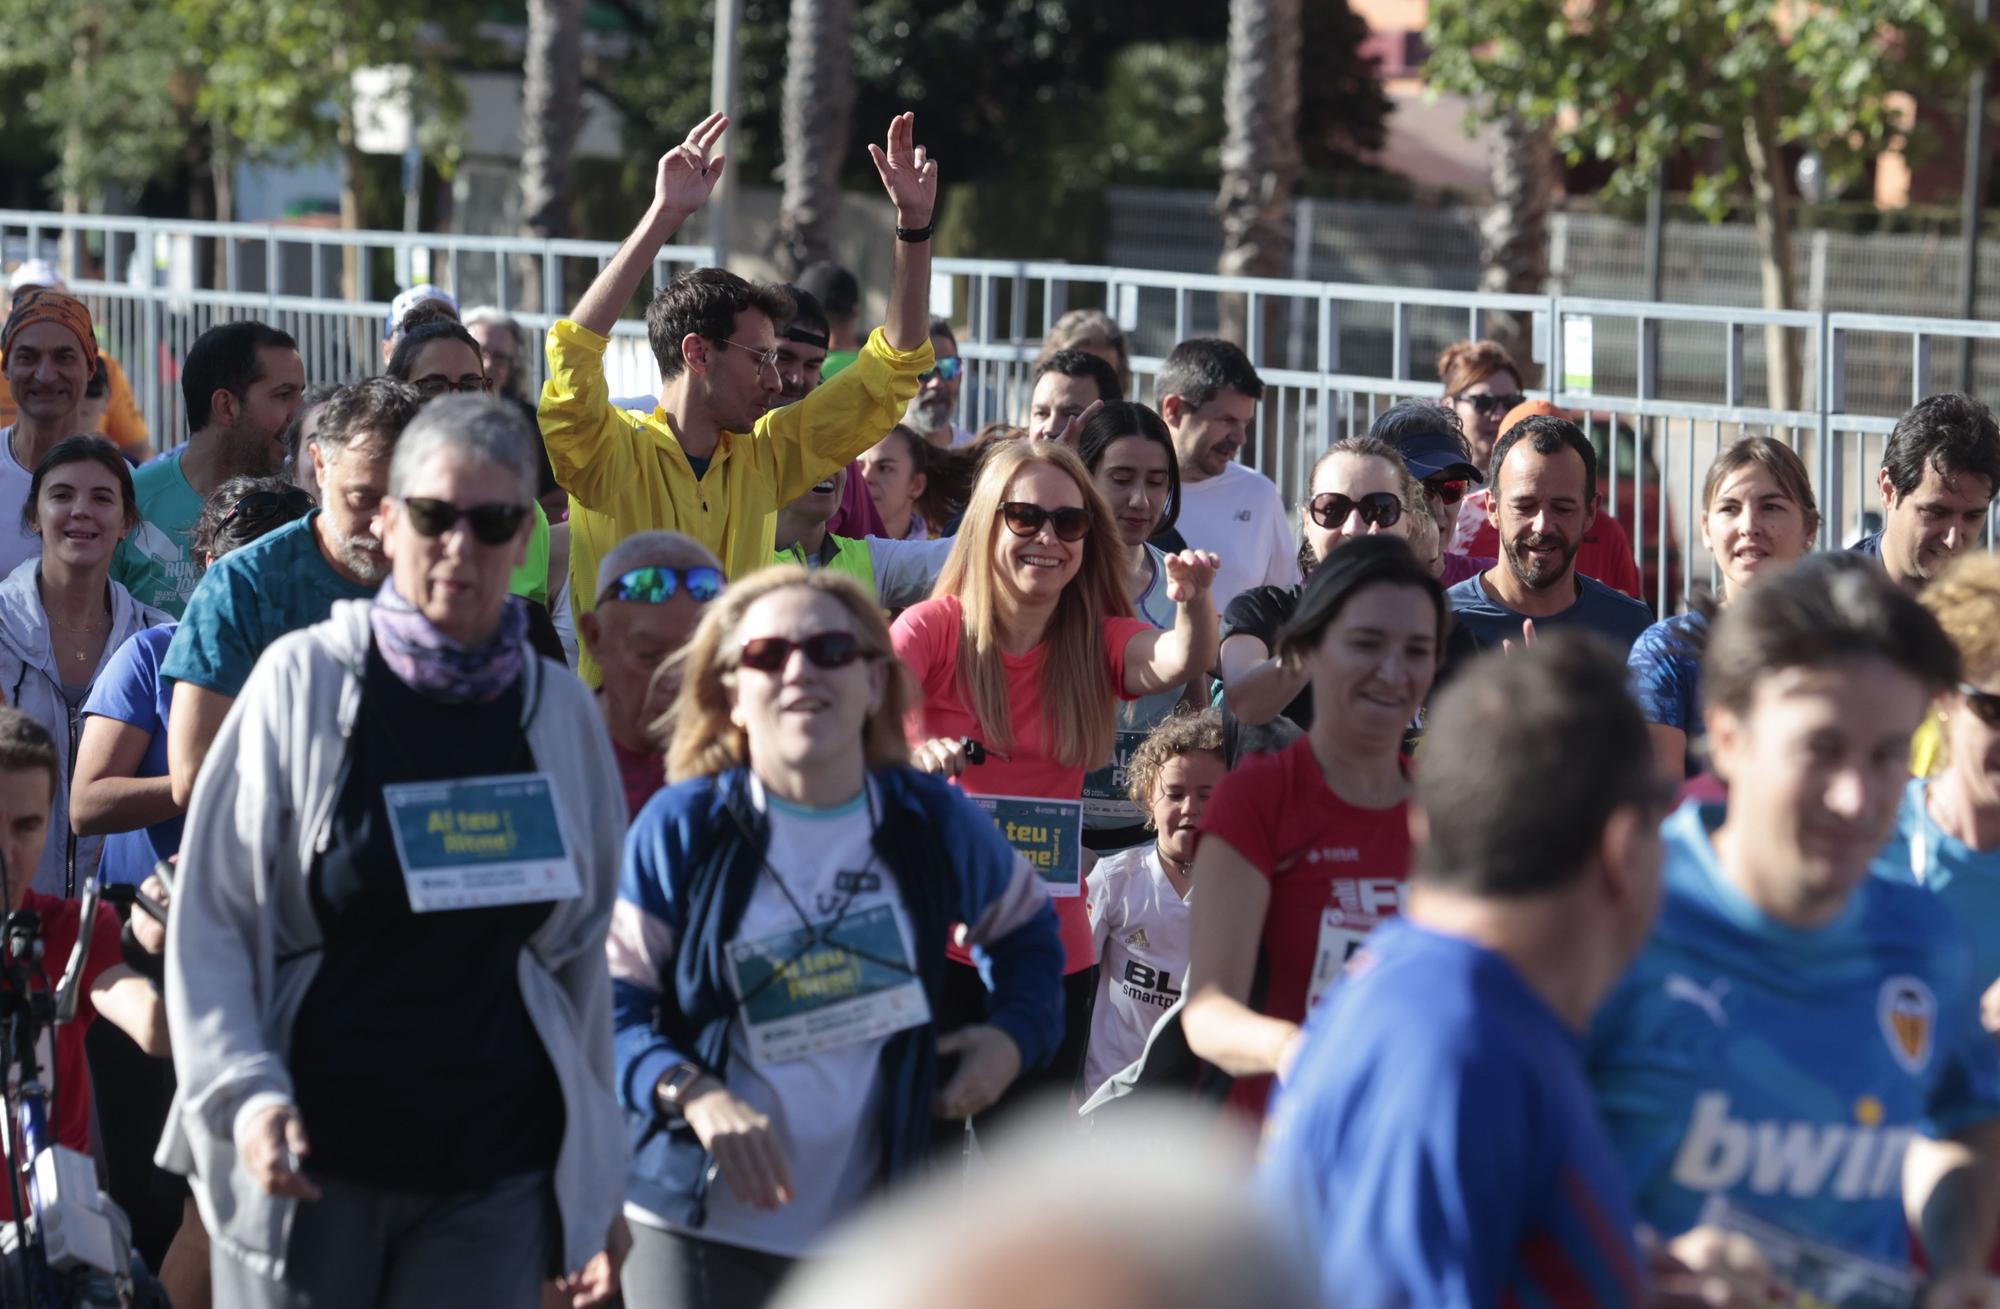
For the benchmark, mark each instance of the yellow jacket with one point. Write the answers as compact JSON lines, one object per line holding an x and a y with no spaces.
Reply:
{"x":625,"y":471}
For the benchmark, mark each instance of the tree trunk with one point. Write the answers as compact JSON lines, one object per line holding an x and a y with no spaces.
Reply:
{"x":819,"y":101}
{"x":1514,"y":231}
{"x":551,"y":116}
{"x":1260,"y":154}
{"x":1772,"y":204}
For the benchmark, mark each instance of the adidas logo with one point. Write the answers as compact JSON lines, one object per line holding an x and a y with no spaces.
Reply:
{"x":1137,"y":940}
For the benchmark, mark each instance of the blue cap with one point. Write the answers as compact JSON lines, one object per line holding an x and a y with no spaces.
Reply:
{"x":410,"y":299}
{"x":1430,"y":454}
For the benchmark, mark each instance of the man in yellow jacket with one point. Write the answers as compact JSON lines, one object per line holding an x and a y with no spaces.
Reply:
{"x":714,"y":460}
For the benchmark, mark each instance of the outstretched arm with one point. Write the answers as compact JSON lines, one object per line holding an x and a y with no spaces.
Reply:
{"x":686,"y":176}
{"x":910,"y":177}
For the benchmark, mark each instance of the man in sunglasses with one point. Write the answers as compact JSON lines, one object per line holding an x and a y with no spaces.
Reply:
{"x":652,"y":590}
{"x":716,"y":458}
{"x":934,"y":412}
{"x":1544,"y":498}
{"x":242,"y":383}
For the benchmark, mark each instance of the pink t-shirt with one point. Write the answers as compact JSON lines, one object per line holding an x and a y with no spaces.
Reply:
{"x":926,"y":638}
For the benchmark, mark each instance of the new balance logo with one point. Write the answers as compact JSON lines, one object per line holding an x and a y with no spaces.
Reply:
{"x":1242,"y":515}
{"x":1720,"y":1153}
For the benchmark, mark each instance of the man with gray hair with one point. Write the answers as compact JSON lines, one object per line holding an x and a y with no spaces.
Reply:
{"x":651,"y":591}
{"x":292,"y":577}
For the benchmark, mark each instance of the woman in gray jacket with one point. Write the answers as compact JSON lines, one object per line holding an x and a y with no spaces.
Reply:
{"x":386,"y":951}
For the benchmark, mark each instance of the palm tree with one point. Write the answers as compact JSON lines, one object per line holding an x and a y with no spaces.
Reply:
{"x":1260,"y":149}
{"x":551,"y":115}
{"x":819,"y":100}
{"x":1514,"y":232}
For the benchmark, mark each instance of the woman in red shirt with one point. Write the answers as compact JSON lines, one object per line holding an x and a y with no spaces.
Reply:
{"x":1025,"y":647}
{"x":1304,"y":851}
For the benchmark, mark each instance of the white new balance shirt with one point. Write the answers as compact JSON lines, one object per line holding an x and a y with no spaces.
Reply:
{"x":1140,"y":924}
{"x":1239,"y":515}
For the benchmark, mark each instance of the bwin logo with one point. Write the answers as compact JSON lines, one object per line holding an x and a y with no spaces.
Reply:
{"x":1797,"y":1159}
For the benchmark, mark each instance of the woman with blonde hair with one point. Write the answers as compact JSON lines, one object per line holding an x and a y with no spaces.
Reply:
{"x":1023,"y":652}
{"x":777,"y":950}
{"x":1758,"y":518}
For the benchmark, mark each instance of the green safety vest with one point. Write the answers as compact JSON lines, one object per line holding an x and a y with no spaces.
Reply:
{"x":842,"y":554}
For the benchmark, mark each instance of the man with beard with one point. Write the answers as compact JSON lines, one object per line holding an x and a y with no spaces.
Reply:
{"x":1544,"y":497}
{"x":934,"y":412}
{"x":242,"y":383}
{"x":1938,"y":476}
{"x":290,"y":578}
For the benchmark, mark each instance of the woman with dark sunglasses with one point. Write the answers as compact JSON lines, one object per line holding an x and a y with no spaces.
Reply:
{"x":777,"y":953}
{"x":1482,"y":384}
{"x":1358,"y":489}
{"x":396,"y":880}
{"x":1023,"y":653}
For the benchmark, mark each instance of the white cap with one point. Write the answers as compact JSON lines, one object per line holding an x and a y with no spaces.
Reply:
{"x":33,"y":272}
{"x":410,"y":299}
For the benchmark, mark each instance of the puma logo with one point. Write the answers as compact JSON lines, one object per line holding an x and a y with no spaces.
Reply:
{"x":1707,"y":999}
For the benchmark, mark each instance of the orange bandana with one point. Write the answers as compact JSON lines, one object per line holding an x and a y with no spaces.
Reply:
{"x":42,"y":305}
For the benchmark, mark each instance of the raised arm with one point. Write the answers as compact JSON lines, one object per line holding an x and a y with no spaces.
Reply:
{"x":911,"y":180}
{"x":1158,"y":661}
{"x":685,"y":178}
{"x":1256,"y":683}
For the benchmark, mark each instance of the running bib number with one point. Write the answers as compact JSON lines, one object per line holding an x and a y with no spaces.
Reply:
{"x":815,"y":989}
{"x":1047,"y":833}
{"x":1338,"y":941}
{"x":1104,"y":790}
{"x":480,"y":842}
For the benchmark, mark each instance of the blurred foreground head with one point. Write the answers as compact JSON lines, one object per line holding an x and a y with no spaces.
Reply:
{"x":1152,"y":1212}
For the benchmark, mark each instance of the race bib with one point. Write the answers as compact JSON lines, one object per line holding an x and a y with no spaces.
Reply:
{"x":479,"y":842}
{"x":816,"y":989}
{"x":1338,"y":940}
{"x":1048,"y":834}
{"x":1104,"y":790}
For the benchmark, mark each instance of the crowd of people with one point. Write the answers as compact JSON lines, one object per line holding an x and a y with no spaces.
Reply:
{"x":560,"y":848}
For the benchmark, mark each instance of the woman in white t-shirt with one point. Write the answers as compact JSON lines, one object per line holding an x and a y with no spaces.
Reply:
{"x":1138,"y":898}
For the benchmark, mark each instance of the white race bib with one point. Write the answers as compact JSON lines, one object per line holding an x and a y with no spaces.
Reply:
{"x":1338,"y":940}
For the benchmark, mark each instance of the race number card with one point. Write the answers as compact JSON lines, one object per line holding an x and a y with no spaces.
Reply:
{"x":1104,"y":790}
{"x":815,"y":989}
{"x":1338,"y":941}
{"x":1048,"y":834}
{"x":479,"y":842}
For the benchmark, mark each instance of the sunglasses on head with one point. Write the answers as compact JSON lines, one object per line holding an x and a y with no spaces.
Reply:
{"x":946,"y":370}
{"x":1023,"y":519}
{"x":770,"y":654}
{"x":1985,"y":705}
{"x":490,"y":524}
{"x":657,"y":585}
{"x":1446,"y":490}
{"x":1330,"y":509}
{"x":1488,"y":405}
{"x":259,"y":505}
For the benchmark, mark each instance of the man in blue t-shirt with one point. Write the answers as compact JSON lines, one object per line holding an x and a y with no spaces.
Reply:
{"x":1544,"y":498}
{"x":291,"y":578}
{"x":1795,"y":1025}
{"x":1435,"y":1135}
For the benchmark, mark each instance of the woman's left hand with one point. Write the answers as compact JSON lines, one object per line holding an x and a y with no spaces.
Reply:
{"x":1190,"y":573}
{"x":596,"y":1283}
{"x":988,"y":1063}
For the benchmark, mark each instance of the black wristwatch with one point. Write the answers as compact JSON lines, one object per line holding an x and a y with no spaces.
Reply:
{"x":914,"y":234}
{"x":675,"y":1085}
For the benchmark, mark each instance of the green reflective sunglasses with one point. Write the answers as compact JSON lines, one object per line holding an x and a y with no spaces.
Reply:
{"x":658,"y":585}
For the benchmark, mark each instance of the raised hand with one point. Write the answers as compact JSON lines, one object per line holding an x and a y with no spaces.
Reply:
{"x":908,"y":173}
{"x":687,"y":175}
{"x":1072,"y":433}
{"x":1190,"y":573}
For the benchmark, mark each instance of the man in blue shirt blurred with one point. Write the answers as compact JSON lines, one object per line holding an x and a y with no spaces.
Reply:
{"x":1436,"y":1136}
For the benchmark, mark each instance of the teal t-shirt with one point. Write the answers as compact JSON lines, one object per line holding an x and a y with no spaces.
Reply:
{"x":1964,"y":878}
{"x":155,"y":563}
{"x":253,"y":596}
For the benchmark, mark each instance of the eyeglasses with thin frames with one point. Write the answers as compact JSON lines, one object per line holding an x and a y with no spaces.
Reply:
{"x":765,"y":358}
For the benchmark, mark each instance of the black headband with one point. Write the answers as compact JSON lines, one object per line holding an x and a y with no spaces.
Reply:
{"x":803,"y":335}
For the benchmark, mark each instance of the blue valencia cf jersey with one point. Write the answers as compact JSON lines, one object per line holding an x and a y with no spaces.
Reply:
{"x":1787,"y":1069}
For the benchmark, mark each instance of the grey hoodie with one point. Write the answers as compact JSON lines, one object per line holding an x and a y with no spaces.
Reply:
{"x":243,"y":942}
{"x":31,"y":683}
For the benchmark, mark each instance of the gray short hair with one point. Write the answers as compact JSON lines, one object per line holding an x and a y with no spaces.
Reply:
{"x":652,"y":550}
{"x":479,"y":428}
{"x":482,"y":315}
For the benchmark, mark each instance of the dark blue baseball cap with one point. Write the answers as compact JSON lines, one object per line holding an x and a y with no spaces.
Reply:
{"x":1429,"y":454}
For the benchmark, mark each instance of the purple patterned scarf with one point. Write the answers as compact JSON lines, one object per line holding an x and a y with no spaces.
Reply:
{"x":432,"y":664}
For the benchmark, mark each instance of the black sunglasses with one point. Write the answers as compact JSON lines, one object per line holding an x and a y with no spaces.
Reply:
{"x":1447,"y":491}
{"x":1985,"y":705}
{"x":259,"y":505}
{"x":1487,"y":405}
{"x":1024,"y":519}
{"x":658,"y":585}
{"x":770,"y":654}
{"x":1377,"y":509}
{"x":491,"y":524}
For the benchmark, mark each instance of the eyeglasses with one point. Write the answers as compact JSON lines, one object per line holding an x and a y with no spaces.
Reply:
{"x":1985,"y":705}
{"x":436,"y":385}
{"x":1023,"y":519}
{"x":765,"y":358}
{"x":1330,"y":509}
{"x":258,"y":506}
{"x":1446,"y":491}
{"x":946,"y":371}
{"x":657,"y":585}
{"x":1488,"y":405}
{"x":491,"y":524}
{"x":770,"y":654}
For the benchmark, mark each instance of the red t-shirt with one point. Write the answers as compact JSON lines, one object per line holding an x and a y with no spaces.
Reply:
{"x":642,"y":775}
{"x":1605,"y":554}
{"x":926,"y":638}
{"x":69,"y":1104}
{"x":1335,"y":871}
